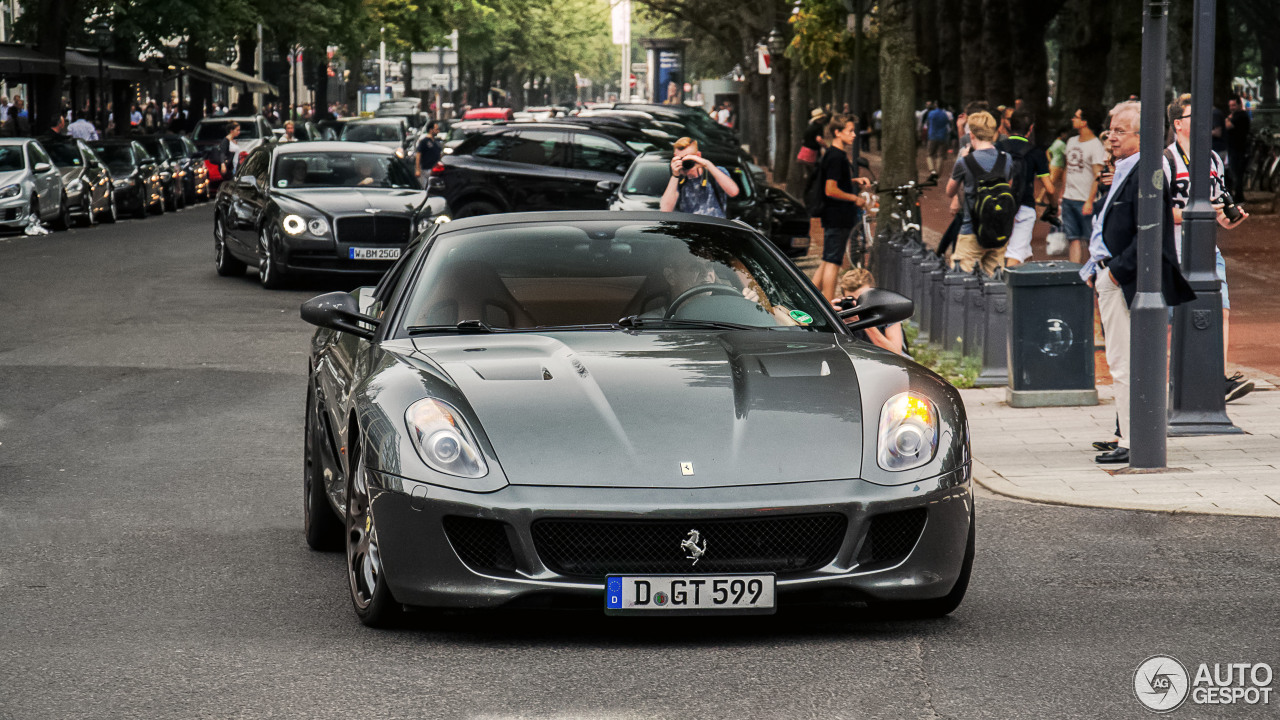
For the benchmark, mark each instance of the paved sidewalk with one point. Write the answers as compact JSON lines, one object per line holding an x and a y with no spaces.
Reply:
{"x":1046,"y":455}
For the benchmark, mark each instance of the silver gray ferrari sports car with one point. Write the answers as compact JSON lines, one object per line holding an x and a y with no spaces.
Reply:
{"x":649,"y":413}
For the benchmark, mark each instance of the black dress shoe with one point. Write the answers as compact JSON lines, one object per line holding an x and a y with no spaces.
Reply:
{"x":1119,"y":455}
{"x":1105,"y":445}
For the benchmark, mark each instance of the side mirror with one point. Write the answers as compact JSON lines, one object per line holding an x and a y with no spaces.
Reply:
{"x":338,"y":311}
{"x":606,"y":187}
{"x":42,"y":167}
{"x":248,"y":181}
{"x":878,"y":307}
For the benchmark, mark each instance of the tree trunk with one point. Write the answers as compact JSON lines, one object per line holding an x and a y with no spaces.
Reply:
{"x":355,"y":80}
{"x":973,"y":84}
{"x":52,"y":23}
{"x":800,"y":107}
{"x":1124,"y":61}
{"x":200,"y":89}
{"x":927,"y":47}
{"x":950,"y":14}
{"x":784,"y":146}
{"x":486,"y":83}
{"x":1224,"y":57}
{"x":321,"y":107}
{"x":1270,"y":55}
{"x":1086,"y":38}
{"x":898,"y":91}
{"x":1031,"y":58}
{"x":1181,"y":22}
{"x":997,"y":60}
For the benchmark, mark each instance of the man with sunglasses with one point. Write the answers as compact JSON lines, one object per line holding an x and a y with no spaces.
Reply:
{"x":1177,"y":158}
{"x":1112,"y":269}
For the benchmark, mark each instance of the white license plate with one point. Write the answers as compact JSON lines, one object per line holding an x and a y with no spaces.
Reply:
{"x":359,"y":253}
{"x":689,"y":594}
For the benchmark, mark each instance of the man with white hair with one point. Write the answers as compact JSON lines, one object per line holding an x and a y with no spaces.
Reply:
{"x":1112,"y":269}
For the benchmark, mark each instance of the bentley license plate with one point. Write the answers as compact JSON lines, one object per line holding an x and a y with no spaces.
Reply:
{"x":359,"y":253}
{"x":689,"y":594}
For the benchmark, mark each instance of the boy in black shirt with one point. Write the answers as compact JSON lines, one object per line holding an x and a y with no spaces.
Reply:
{"x":841,"y":205}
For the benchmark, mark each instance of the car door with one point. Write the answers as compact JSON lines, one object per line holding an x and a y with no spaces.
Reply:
{"x":95,"y":175}
{"x":531,"y":168}
{"x":247,"y":198}
{"x":48,"y":183}
{"x":595,"y":158}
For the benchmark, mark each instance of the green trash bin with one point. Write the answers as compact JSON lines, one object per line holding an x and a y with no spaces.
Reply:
{"x":1050,"y":336}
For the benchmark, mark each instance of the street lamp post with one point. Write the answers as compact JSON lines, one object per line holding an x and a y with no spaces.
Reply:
{"x":1149,"y":315}
{"x":1199,"y":404}
{"x":382,"y":65}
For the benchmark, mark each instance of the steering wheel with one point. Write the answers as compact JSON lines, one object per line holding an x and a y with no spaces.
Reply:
{"x":713,"y":288}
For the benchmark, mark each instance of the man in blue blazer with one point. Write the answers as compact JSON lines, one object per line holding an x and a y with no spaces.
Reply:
{"x":1112,"y":269}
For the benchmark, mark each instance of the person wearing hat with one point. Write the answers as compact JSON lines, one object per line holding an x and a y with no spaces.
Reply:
{"x":811,"y":147}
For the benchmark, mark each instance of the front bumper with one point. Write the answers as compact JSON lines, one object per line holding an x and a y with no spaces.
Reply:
{"x":423,"y":567}
{"x":14,"y":211}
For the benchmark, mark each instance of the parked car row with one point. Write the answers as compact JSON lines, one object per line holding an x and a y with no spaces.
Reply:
{"x":63,"y":181}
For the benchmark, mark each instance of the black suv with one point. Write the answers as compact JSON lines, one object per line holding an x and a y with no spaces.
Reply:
{"x":516,"y":167}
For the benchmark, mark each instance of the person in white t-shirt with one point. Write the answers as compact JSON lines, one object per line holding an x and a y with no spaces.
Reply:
{"x":1085,"y":158}
{"x":1175,"y":161}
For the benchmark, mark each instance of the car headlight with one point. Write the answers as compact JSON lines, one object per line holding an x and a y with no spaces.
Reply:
{"x":317,"y":226}
{"x":293,"y":224}
{"x":9,"y":191}
{"x":443,"y":439}
{"x":908,"y":434}
{"x":441,"y":219}
{"x":400,"y":153}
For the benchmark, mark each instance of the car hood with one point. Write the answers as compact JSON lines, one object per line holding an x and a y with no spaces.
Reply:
{"x":12,"y":176}
{"x":618,"y":409}
{"x":351,"y":200}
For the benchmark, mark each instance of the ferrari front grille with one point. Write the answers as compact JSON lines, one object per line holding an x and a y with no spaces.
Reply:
{"x":891,"y":537}
{"x":782,"y":544}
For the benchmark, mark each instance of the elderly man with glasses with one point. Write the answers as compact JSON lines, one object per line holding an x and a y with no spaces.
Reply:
{"x":1112,"y":269}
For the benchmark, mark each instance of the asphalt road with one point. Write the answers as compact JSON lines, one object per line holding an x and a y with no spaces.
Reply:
{"x":152,"y":563}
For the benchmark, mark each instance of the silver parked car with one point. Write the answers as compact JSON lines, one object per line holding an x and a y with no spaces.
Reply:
{"x":30,"y":184}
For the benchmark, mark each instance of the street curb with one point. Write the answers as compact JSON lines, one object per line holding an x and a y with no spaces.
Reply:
{"x":997,"y":484}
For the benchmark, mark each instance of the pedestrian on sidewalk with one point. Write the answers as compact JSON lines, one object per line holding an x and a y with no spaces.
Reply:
{"x":938,"y":123}
{"x":1085,"y":158}
{"x":697,"y":185}
{"x":1237,"y":124}
{"x":1112,"y":269}
{"x":811,"y":147}
{"x":1029,"y":179}
{"x":976,"y":162}
{"x":841,"y":206}
{"x":1177,"y":158}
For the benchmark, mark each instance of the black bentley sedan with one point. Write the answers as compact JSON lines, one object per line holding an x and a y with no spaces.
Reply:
{"x":169,"y":169}
{"x":318,"y":207}
{"x":85,"y":179}
{"x":135,"y":177}
{"x":773,"y":212}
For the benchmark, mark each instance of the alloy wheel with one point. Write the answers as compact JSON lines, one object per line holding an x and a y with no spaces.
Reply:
{"x":364,"y":562}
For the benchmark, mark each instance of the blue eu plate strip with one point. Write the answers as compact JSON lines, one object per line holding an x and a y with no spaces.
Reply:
{"x":613,"y":593}
{"x":351,"y":253}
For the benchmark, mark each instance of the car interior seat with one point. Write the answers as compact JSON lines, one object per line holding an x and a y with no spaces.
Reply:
{"x":473,"y":291}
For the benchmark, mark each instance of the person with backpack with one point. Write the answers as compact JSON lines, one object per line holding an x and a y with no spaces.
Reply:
{"x":1030,"y":170}
{"x":697,"y":185}
{"x":982,"y":173}
{"x":840,"y":206}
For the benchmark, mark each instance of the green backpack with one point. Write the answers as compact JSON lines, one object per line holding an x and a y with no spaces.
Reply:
{"x":994,"y":207}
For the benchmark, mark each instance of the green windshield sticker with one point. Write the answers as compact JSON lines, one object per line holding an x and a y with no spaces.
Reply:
{"x":801,"y":317}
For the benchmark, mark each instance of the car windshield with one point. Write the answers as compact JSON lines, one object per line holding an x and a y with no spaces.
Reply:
{"x":175,"y":146}
{"x":372,"y":132}
{"x":649,"y":179}
{"x":154,"y":148}
{"x":117,"y":157}
{"x":462,"y":133}
{"x":657,"y":274}
{"x":342,"y":169}
{"x":11,"y":158}
{"x":65,"y":154}
{"x":218,"y":129}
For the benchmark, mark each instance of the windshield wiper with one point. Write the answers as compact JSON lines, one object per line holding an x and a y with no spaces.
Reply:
{"x":464,"y":327}
{"x":637,"y":322}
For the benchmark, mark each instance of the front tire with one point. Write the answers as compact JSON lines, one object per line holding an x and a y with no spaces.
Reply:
{"x":321,"y":525}
{"x":63,"y":221}
{"x":111,"y":214}
{"x":143,"y":205}
{"x":270,"y":273}
{"x":223,"y":261}
{"x":370,"y":596}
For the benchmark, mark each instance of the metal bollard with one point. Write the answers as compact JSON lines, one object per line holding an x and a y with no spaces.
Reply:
{"x":974,"y":322}
{"x":912,"y":252}
{"x":995,"y":347}
{"x":953,"y":310}
{"x":937,"y":301}
{"x":924,"y":304}
{"x":914,"y":262}
{"x":887,"y":276}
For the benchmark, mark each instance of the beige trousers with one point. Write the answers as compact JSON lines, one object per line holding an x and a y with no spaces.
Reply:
{"x":968,"y":253}
{"x":1115,"y":323}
